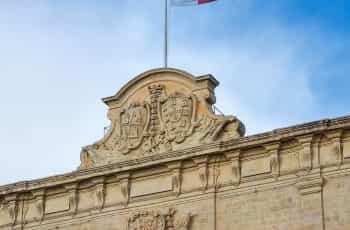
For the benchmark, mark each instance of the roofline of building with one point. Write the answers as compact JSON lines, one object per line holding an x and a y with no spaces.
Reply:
{"x":247,"y":142}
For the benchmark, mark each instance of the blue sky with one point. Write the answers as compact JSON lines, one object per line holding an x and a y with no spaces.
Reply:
{"x":280,"y":63}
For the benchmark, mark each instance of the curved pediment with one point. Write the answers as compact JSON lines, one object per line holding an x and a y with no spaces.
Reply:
{"x":160,"y":75}
{"x":159,"y":111}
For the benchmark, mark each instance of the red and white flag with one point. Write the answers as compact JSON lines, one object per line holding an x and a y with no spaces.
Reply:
{"x":189,"y":2}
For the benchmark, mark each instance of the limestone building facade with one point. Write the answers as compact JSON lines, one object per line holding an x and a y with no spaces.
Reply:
{"x":168,"y":162}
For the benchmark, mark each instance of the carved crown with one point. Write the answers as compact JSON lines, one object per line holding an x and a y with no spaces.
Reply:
{"x":159,"y":111}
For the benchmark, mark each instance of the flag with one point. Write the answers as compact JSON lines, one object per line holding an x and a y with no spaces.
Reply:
{"x":189,"y":2}
{"x":176,"y":3}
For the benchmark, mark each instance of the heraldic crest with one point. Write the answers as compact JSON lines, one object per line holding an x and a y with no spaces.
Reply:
{"x":153,"y":220}
{"x":133,"y":126}
{"x":160,"y":111}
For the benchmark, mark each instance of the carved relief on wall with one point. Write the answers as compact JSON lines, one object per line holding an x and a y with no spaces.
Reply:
{"x":151,"y":220}
{"x":159,"y":115}
{"x":10,"y":207}
{"x":134,"y":123}
{"x":178,"y":116}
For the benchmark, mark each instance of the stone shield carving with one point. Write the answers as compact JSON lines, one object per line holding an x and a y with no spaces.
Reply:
{"x":159,"y":112}
{"x":134,"y":122}
{"x":147,"y":221}
{"x":150,"y":220}
{"x":177,"y":113}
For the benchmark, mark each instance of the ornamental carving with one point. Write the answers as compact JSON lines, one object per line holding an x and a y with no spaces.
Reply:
{"x":161,"y":111}
{"x":133,"y":127}
{"x":151,"y":220}
{"x":10,"y":206}
{"x":178,"y":116}
{"x":147,"y":221}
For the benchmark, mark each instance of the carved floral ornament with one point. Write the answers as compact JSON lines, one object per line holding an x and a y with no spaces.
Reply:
{"x":152,"y":220}
{"x":157,"y":112}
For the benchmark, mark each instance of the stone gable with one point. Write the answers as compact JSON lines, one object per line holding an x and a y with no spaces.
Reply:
{"x":158,"y":112}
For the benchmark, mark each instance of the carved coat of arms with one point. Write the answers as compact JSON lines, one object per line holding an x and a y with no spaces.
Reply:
{"x":133,"y":127}
{"x":150,"y":220}
{"x":158,"y":118}
{"x":155,"y":125}
{"x":177,"y":113}
{"x":147,"y":221}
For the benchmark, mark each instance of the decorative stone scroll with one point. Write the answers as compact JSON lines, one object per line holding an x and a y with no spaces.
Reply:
{"x":72,"y":190}
{"x":99,"y":193}
{"x":152,"y":220}
{"x":202,"y":163}
{"x":176,"y":178}
{"x":40,"y":203}
{"x":125,"y":187}
{"x":273,"y":150}
{"x":160,"y":111}
{"x":10,"y":205}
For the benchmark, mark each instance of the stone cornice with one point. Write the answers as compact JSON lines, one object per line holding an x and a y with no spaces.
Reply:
{"x":259,"y":140}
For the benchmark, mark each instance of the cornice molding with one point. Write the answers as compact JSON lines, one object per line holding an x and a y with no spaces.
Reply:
{"x":258,"y":140}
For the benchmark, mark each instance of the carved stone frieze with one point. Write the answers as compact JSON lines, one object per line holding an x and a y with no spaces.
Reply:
{"x":154,"y":220}
{"x":157,"y":112}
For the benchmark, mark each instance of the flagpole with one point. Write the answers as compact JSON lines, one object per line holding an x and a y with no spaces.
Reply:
{"x":166,"y":35}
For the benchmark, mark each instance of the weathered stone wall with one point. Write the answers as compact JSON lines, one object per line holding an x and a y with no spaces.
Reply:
{"x":270,"y":209}
{"x":295,"y":178}
{"x":336,"y":202}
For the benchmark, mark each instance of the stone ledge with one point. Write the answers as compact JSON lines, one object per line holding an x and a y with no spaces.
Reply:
{"x":218,"y":147}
